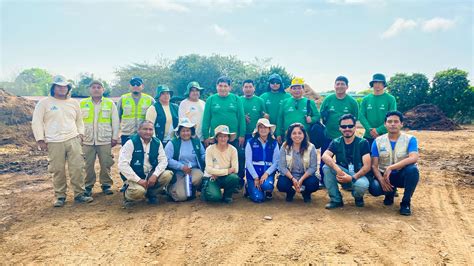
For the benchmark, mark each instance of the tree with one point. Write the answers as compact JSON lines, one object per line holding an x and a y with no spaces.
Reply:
{"x":261,"y":81}
{"x":152,"y":75}
{"x":409,"y":90}
{"x":81,"y":89}
{"x":451,"y":92}
{"x":33,"y":81}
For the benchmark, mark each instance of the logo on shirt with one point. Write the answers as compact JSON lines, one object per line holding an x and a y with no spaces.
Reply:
{"x":54,"y":108}
{"x":254,"y":108}
{"x":192,"y":108}
{"x":332,"y":108}
{"x":217,"y":106}
{"x":268,"y":102}
{"x":291,"y":109}
{"x":369,"y":106}
{"x":382,"y":107}
{"x":137,"y":163}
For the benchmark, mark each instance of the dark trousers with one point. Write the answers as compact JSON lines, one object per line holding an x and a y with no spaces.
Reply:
{"x":124,"y":139}
{"x":324,"y":147}
{"x":407,"y":178}
{"x":285,"y":185}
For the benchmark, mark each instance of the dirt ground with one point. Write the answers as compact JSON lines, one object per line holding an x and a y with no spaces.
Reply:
{"x":440,"y":230}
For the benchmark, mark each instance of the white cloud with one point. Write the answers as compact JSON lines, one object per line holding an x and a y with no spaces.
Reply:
{"x":430,"y":25}
{"x":224,"y":5}
{"x":167,"y":5}
{"x":437,"y":24}
{"x":398,"y":26}
{"x":355,"y":2}
{"x":221,"y":31}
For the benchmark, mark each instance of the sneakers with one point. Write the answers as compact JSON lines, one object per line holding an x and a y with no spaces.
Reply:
{"x":388,"y":200}
{"x":107,"y":191}
{"x":334,"y":205}
{"x":227,"y":200}
{"x":83,"y":199}
{"x":128,"y":204}
{"x":359,"y":202}
{"x":59,"y":202}
{"x":307,"y":198}
{"x":88,"y":192}
{"x":268,"y":195}
{"x":153,"y":200}
{"x":405,"y":209}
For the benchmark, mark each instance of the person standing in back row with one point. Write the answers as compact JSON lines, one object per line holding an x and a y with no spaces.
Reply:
{"x":374,"y":107}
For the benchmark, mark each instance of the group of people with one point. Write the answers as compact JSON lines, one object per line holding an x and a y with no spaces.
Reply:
{"x":228,"y":143}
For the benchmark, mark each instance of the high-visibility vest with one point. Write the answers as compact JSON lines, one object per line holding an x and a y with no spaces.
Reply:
{"x":104,"y":119}
{"x":133,"y":114}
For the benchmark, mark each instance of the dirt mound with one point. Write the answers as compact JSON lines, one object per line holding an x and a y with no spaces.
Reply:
{"x":15,"y":120}
{"x":428,"y":117}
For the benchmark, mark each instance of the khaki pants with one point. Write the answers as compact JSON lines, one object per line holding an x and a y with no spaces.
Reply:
{"x":58,"y":154}
{"x":106,"y":160}
{"x":177,"y":188}
{"x":136,"y":192}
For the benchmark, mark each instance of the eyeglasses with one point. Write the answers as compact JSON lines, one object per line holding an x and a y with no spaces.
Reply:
{"x":346,"y":126}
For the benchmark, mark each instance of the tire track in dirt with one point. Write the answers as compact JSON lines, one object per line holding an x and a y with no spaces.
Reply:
{"x":453,"y":230}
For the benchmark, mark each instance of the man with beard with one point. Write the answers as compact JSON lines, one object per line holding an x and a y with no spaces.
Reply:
{"x":351,"y":164}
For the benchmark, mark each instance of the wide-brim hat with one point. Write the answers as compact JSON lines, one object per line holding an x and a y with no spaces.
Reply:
{"x":61,"y":81}
{"x":163,"y":88}
{"x":378,"y":77}
{"x":184,"y":122}
{"x":266,"y":123}
{"x":222,"y":129}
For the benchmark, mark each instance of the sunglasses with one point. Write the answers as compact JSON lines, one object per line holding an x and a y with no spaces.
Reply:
{"x":135,"y":84}
{"x":274,"y":82}
{"x":346,"y":126}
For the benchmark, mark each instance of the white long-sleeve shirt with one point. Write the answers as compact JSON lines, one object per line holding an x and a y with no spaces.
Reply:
{"x":56,"y":120}
{"x":125,"y":156}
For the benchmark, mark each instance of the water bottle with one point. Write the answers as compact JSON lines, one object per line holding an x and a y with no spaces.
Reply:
{"x":188,"y":183}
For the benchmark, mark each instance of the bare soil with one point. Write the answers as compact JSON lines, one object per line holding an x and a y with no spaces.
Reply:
{"x":440,"y":230}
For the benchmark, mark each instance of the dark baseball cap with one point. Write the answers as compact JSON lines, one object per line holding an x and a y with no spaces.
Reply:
{"x":136,"y":81}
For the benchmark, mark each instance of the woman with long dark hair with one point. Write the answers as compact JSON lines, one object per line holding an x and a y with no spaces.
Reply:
{"x":298,"y":164}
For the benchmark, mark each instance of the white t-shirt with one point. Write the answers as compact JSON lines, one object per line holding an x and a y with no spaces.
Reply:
{"x":194,"y":112}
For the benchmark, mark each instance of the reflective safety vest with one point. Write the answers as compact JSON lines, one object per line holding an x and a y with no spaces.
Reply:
{"x":387,"y":156}
{"x":133,"y":114}
{"x":104,"y":120}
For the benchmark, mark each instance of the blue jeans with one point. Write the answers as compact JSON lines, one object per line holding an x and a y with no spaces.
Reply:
{"x":285,"y":185}
{"x":255,"y":194}
{"x":407,"y":178}
{"x":359,"y":187}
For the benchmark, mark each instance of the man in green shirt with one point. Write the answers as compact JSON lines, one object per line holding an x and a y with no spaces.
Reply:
{"x":254,"y":107}
{"x":225,"y":108}
{"x":274,"y":97}
{"x":374,"y":107}
{"x":333,"y":107}
{"x":295,"y":110}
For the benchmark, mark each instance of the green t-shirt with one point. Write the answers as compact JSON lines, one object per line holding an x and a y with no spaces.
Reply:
{"x":334,"y":108}
{"x":293,"y":111}
{"x":373,"y":110}
{"x":273,"y":103}
{"x":254,"y":107}
{"x":223,"y":111}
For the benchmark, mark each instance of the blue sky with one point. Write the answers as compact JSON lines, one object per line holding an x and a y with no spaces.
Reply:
{"x":317,"y":40}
